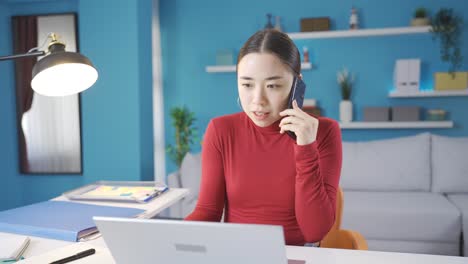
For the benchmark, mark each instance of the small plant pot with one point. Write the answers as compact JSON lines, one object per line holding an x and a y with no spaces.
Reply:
{"x":346,"y":111}
{"x":446,"y":81}
{"x":419,"y":22}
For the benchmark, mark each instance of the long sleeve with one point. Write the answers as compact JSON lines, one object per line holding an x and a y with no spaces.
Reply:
{"x":210,"y":202}
{"x":261,"y":176}
{"x":318,"y":168}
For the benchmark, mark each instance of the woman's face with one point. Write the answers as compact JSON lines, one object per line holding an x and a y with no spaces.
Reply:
{"x":264,"y":83}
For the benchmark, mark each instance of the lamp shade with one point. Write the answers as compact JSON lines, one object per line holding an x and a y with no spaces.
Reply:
{"x":62,"y":73}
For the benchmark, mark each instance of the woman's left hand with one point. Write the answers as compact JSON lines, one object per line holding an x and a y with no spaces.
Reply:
{"x":302,"y":124}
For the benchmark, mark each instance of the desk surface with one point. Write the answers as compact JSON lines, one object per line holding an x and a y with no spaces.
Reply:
{"x":40,"y":246}
{"x":309,"y":254}
{"x":329,"y":255}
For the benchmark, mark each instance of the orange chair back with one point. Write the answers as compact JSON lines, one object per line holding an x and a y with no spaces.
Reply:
{"x":338,"y":238}
{"x":339,"y":209}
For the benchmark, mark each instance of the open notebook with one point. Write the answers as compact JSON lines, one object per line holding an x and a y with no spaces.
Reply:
{"x":12,"y":246}
{"x":102,"y":255}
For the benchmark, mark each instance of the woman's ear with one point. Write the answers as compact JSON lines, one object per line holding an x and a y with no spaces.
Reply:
{"x":300,"y":76}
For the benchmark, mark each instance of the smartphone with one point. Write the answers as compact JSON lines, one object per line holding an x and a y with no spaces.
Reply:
{"x":297,"y":93}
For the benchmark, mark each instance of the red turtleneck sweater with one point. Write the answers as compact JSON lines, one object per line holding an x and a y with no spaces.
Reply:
{"x":263,"y":177}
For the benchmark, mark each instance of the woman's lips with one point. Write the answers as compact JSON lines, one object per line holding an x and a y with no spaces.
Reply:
{"x":261,"y":115}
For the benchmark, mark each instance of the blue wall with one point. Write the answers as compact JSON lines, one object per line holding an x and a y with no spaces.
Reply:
{"x":193,"y":31}
{"x":116,"y":112}
{"x":10,"y":184}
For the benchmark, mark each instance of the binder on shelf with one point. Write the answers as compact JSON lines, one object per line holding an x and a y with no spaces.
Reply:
{"x":407,"y":75}
{"x":60,"y":220}
{"x":414,"y":75}
{"x":401,"y":75}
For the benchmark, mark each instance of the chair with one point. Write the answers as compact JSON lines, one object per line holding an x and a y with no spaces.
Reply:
{"x":340,"y":238}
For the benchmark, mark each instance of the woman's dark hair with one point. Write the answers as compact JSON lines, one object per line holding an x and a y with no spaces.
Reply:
{"x":274,"y":42}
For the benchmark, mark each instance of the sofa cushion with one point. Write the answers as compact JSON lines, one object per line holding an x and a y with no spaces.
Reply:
{"x":190,"y":171}
{"x":408,"y":216}
{"x":449,"y":166}
{"x":419,"y":247}
{"x":399,"y":164}
{"x":461,"y":202}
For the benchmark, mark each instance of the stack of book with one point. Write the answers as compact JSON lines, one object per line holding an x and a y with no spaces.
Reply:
{"x":60,"y":220}
{"x":310,"y":107}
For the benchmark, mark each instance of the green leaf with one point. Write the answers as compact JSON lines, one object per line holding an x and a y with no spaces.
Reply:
{"x":183,"y":121}
{"x":447,"y":27}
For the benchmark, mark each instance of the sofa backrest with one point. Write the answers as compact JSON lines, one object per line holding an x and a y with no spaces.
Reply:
{"x":449,"y":164}
{"x":398,"y":164}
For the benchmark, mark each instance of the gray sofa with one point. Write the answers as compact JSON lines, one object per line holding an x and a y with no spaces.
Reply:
{"x":407,"y":194}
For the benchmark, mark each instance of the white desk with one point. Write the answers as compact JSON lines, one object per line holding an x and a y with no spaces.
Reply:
{"x":309,"y":254}
{"x":338,"y":256}
{"x":39,"y":245}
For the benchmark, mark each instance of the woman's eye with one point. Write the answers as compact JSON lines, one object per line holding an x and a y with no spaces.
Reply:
{"x":273,"y":86}
{"x":246,"y":85}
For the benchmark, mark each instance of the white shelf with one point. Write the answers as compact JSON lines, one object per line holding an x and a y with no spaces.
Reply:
{"x":232,"y":68}
{"x":397,"y":94}
{"x":224,"y":68}
{"x":360,"y":32}
{"x":396,"y":125}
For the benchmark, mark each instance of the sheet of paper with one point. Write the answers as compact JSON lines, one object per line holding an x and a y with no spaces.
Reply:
{"x":11,"y":245}
{"x":101,"y":256}
{"x":122,"y":191}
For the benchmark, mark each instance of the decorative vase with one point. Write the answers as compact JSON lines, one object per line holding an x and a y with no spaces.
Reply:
{"x":346,"y":111}
{"x":418,"y":22}
{"x":278,"y":23}
{"x":268,"y":25}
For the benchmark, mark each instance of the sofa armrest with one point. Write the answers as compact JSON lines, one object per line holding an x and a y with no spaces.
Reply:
{"x":344,"y":239}
{"x":172,"y":180}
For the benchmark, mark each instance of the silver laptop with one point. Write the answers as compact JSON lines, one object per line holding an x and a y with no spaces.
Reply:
{"x":173,"y":241}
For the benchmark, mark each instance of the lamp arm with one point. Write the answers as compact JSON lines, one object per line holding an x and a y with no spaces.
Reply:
{"x":25,"y":55}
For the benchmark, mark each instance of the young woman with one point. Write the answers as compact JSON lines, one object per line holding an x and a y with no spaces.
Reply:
{"x":254,"y":170}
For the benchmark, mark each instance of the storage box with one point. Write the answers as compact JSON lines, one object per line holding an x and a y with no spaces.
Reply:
{"x":313,"y":110}
{"x":444,"y":81}
{"x":436,"y":115}
{"x":405,"y":113}
{"x":310,"y":106}
{"x":315,"y":24}
{"x":376,"y":114}
{"x":224,"y":57}
{"x":406,"y":75}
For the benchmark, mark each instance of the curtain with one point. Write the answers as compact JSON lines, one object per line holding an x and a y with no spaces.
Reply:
{"x":24,"y":39}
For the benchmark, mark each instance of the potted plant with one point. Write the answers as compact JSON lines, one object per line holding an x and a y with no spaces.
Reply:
{"x":447,"y":27}
{"x":345,"y":81}
{"x":182,"y":121}
{"x":420,"y":18}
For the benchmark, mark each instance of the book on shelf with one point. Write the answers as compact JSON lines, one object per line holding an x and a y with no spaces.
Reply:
{"x":314,"y":110}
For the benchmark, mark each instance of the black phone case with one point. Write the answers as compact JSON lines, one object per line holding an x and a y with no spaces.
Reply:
{"x":297,"y":93}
